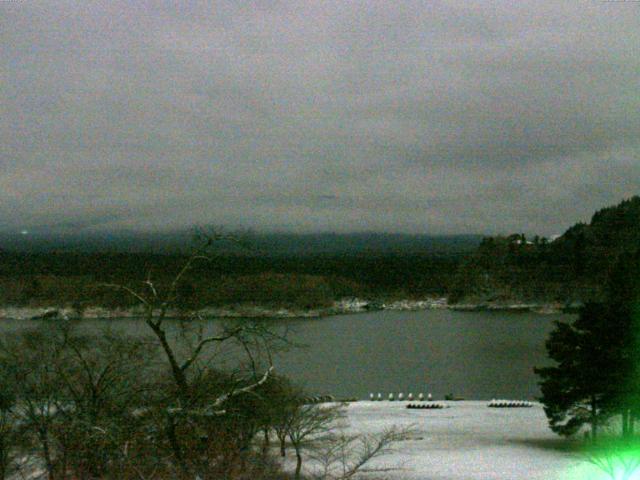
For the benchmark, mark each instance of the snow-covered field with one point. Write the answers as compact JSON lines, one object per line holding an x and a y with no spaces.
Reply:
{"x":468,"y":440}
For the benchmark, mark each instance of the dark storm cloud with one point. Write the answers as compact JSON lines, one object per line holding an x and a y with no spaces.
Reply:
{"x":435,"y":117}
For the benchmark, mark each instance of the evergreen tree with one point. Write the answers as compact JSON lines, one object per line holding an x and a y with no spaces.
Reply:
{"x":597,"y":371}
{"x":623,"y":297}
{"x":574,"y":391}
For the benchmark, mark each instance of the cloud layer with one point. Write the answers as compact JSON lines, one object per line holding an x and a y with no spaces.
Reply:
{"x":436,"y":117}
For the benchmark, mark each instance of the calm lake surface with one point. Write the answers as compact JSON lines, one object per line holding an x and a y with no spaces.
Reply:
{"x":475,"y":355}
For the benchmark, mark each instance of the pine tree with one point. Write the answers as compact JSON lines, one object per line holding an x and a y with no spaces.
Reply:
{"x":597,"y":371}
{"x":574,"y":391}
{"x":623,"y":297}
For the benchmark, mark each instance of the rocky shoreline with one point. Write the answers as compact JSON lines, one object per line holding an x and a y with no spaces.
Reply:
{"x":341,"y":307}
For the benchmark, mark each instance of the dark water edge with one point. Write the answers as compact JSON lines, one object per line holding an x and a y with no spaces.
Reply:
{"x":475,"y":355}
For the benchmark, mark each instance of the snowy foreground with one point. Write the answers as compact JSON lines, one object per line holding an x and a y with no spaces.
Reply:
{"x":468,"y":440}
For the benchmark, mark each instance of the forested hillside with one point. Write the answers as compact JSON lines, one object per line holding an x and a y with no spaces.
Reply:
{"x":64,"y":278}
{"x":316,"y":270}
{"x":571,"y":268}
{"x":276,"y":270}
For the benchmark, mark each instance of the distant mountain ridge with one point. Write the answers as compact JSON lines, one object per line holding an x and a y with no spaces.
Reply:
{"x":285,"y":244}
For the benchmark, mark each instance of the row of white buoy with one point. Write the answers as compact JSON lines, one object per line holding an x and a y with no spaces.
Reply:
{"x":391,"y":397}
{"x":509,"y":404}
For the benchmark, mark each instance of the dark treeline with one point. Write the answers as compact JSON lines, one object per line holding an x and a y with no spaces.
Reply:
{"x":314,"y":270}
{"x":573,"y":267}
{"x":301,"y":281}
{"x":258,"y":243}
{"x":276,"y":269}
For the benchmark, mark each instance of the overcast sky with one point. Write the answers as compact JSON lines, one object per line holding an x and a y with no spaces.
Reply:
{"x":429,"y":117}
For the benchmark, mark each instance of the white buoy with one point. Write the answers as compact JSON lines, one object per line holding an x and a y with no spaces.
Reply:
{"x":391,"y":397}
{"x":429,"y":397}
{"x":379,"y":397}
{"x":410,"y":397}
{"x":421,"y":397}
{"x":400,"y":396}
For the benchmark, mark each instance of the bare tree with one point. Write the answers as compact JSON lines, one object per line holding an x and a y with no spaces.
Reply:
{"x":308,"y":425}
{"x":8,"y":429}
{"x":158,"y":304}
{"x":343,"y":456}
{"x":283,"y":401}
{"x":31,"y":360}
{"x":193,"y":402}
{"x":104,"y":377}
{"x":74,"y":396}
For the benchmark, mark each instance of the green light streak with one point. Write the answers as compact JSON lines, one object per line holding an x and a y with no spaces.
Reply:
{"x":614,"y":459}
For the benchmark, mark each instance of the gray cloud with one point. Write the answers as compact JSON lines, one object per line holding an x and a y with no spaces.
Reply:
{"x":437,"y":117}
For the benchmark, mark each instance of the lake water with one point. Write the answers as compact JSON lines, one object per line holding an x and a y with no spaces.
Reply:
{"x":475,"y":355}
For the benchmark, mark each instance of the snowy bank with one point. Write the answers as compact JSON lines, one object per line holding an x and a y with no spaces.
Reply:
{"x":340,"y":307}
{"x":470,"y":441}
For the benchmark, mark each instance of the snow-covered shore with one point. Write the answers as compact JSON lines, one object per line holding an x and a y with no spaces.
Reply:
{"x":341,"y":307}
{"x":344,"y":306}
{"x":468,"y":441}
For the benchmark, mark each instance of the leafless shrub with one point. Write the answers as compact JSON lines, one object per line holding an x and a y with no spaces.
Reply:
{"x":74,"y":397}
{"x":342,"y":456}
{"x":308,"y":425}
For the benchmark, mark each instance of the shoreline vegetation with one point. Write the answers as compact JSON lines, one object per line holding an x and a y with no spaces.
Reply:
{"x":342,"y":307}
{"x":276,"y":280}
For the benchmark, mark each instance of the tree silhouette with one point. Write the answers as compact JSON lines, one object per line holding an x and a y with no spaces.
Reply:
{"x":597,"y":369}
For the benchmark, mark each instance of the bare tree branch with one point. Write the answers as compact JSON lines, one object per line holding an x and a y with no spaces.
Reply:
{"x":344,"y":456}
{"x":223,"y":398}
{"x":205,"y":341}
{"x":174,"y":284}
{"x":151,"y":286}
{"x":211,"y":409}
